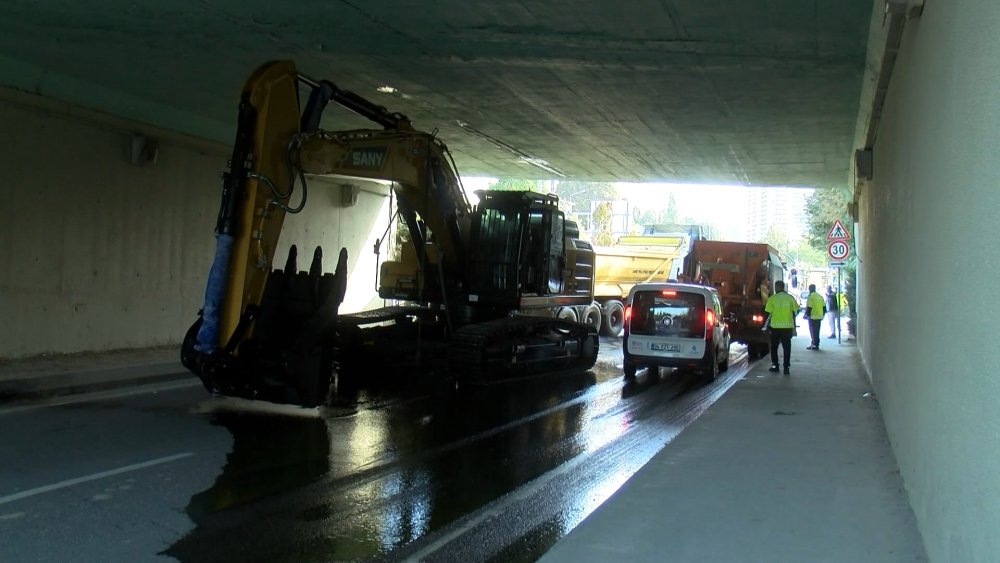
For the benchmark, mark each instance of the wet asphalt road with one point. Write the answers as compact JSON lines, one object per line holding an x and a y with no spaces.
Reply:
{"x":404,"y":472}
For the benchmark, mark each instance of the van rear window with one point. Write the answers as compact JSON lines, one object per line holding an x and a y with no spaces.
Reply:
{"x":681,"y":315}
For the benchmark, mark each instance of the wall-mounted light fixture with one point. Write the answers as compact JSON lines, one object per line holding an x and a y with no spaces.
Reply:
{"x":349,"y":194}
{"x":144,"y":150}
{"x":863,"y":163}
{"x":909,"y":8}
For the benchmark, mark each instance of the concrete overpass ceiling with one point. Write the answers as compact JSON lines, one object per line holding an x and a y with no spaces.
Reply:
{"x":754,"y":92}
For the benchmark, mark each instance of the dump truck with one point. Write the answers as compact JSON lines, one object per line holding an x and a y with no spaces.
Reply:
{"x":635,"y":259}
{"x":744,"y":273}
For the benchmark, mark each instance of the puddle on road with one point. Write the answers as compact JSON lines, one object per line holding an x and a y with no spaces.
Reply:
{"x":271,"y":454}
{"x":301,"y":486}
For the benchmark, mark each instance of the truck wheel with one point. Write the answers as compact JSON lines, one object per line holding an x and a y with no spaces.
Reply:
{"x":592,"y":317}
{"x":613,"y":318}
{"x":567,"y":314}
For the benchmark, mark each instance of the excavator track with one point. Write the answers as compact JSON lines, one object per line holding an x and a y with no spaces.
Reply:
{"x":521,"y":346}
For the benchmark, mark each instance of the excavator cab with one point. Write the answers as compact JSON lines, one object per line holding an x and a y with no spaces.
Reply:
{"x":517,"y":248}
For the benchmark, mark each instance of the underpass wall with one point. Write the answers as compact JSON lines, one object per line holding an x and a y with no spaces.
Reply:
{"x":931,"y":263}
{"x":100,"y":254}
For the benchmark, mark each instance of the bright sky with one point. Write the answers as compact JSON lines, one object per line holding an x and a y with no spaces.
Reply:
{"x":471,"y":184}
{"x":704,"y":203}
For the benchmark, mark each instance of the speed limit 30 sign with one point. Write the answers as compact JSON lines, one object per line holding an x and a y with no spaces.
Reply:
{"x":838,"y":250}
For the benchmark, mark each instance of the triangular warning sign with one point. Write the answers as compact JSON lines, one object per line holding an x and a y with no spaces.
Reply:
{"x":837,"y":232}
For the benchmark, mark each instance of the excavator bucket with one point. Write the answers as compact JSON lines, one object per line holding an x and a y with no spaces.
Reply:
{"x":289,"y":358}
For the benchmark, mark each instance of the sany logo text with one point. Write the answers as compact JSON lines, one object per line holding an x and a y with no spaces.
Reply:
{"x":370,"y":158}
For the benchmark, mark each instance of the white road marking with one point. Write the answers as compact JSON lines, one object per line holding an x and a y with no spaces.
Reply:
{"x":93,"y":477}
{"x":13,"y":515}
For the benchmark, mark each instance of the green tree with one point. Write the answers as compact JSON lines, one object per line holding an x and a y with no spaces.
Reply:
{"x":824,"y":207}
{"x":514,"y":185}
{"x":670,"y":214}
{"x":576,"y":197}
{"x":645,"y":217}
{"x":808,"y":255}
{"x":602,"y":225}
{"x":661,"y":216}
{"x":580,"y":194}
{"x":777,"y":238}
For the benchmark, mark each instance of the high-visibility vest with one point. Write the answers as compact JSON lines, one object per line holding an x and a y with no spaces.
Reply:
{"x":782,"y":308}
{"x":815,"y":305}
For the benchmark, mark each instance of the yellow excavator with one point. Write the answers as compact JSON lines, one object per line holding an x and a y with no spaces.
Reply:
{"x":486,"y":293}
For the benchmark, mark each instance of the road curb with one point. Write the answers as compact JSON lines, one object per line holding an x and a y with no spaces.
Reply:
{"x":43,"y":386}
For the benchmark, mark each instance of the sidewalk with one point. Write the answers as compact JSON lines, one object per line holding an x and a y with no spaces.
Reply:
{"x":782,"y":468}
{"x":29,"y":379}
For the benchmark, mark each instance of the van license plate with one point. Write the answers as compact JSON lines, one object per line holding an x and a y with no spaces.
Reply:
{"x":664,"y":347}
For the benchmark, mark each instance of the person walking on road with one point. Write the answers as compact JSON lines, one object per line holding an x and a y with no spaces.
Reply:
{"x":815,"y":311}
{"x":833,"y":309}
{"x":781,"y":309}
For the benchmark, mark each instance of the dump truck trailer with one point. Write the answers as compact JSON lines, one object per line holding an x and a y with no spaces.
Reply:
{"x":633,"y":260}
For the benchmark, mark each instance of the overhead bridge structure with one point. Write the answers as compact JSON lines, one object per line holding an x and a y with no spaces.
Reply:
{"x":115,"y":122}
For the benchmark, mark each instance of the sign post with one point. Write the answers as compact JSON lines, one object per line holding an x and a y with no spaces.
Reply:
{"x":839,"y":250}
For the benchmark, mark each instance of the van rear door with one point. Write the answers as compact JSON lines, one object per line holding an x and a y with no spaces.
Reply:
{"x":669,"y":314}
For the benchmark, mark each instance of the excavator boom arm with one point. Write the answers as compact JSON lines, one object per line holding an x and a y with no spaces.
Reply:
{"x":276,"y":146}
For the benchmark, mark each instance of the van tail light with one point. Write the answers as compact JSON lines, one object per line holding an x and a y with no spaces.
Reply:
{"x":628,"y":316}
{"x":709,"y":317}
{"x":757,"y":319}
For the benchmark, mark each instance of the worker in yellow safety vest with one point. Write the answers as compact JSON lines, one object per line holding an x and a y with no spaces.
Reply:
{"x":815,"y":311}
{"x":781,"y":309}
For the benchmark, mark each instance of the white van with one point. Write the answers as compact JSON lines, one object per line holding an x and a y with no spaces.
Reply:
{"x":675,"y":325}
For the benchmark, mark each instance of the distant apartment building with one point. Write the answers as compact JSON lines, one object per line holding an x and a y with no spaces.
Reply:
{"x":781,"y":207}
